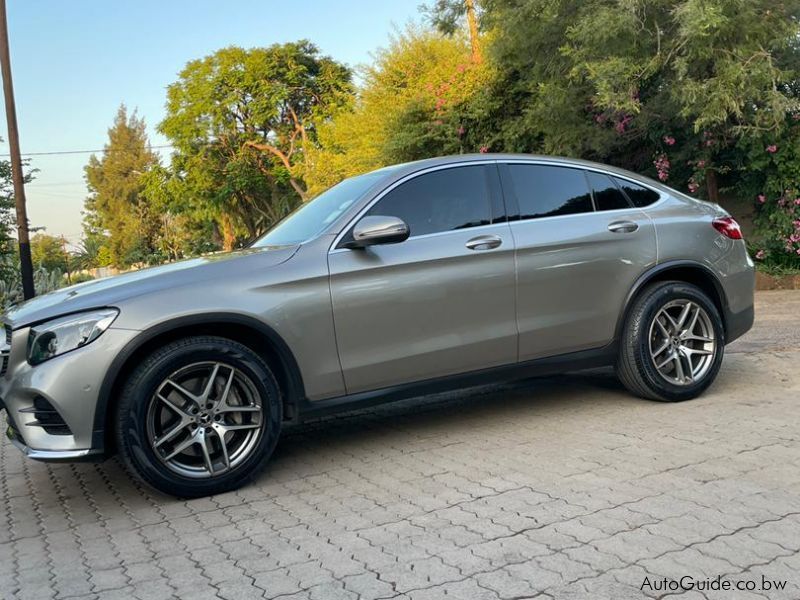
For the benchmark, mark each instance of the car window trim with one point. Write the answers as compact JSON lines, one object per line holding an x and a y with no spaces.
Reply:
{"x":484,"y":163}
{"x":511,"y":199}
{"x":505,"y":175}
{"x":616,"y":186}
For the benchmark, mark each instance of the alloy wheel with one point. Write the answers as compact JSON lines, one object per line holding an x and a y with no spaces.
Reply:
{"x":205,"y":419}
{"x":682,"y":342}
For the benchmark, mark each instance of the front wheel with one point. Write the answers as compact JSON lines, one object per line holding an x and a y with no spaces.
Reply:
{"x":199,"y":417}
{"x":672,"y":343}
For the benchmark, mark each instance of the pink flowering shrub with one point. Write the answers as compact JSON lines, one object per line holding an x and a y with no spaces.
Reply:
{"x":662,"y":165}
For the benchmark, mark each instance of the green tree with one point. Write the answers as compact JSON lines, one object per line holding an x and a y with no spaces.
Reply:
{"x":9,"y":257}
{"x":671,"y":86}
{"x":446,"y":16}
{"x":414,"y":103}
{"x":117,"y":206}
{"x":242,"y":122}
{"x":48,"y":252}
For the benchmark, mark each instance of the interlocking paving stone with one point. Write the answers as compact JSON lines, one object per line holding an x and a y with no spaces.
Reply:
{"x":558,"y":487}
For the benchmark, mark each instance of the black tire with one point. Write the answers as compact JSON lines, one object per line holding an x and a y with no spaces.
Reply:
{"x":637,"y":370}
{"x":132,"y":413}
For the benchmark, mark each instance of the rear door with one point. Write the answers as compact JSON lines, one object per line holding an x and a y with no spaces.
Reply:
{"x":440,"y":303}
{"x":580,"y":245}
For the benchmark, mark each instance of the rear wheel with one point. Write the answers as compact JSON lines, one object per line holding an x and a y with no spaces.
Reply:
{"x":200,"y":416}
{"x":672,"y":343}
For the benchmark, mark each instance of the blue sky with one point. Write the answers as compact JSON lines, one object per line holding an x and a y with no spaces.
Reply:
{"x":75,"y":62}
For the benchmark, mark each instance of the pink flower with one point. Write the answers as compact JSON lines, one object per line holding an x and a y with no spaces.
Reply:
{"x":772,"y":148}
{"x":760,"y":255}
{"x":762,"y":198}
{"x":669,"y":140}
{"x":484,"y":149}
{"x":622,"y":124}
{"x":796,"y":116}
{"x":693,"y":187}
{"x":797,"y":201}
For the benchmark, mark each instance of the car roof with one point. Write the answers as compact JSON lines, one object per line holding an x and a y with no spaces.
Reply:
{"x":402,"y":170}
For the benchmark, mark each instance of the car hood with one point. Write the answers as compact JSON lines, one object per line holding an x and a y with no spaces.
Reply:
{"x":112,"y":290}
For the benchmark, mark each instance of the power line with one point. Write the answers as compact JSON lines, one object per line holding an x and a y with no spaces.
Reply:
{"x":60,"y":152}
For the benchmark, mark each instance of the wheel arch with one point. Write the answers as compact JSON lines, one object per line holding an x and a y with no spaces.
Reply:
{"x":253,"y":333}
{"x":678,"y":270}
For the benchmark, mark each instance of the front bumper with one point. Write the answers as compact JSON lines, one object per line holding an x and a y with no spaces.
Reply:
{"x":51,"y":407}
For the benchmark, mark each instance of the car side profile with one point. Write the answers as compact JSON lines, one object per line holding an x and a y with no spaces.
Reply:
{"x":416,"y":278}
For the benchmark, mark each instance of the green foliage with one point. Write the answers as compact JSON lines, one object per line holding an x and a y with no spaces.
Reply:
{"x":242,"y":122}
{"x":609,"y":80}
{"x":414,"y":103}
{"x":771,"y":177}
{"x":48,"y":252}
{"x":44,"y":281}
{"x":117,"y":208}
{"x":9,"y":256}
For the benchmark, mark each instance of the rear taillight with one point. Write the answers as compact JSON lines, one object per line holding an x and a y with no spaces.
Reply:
{"x":728,"y":227}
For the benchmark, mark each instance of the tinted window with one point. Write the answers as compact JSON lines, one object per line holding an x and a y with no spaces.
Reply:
{"x":638,"y":194}
{"x":544,"y":191}
{"x":607,"y":195}
{"x":442,"y":200}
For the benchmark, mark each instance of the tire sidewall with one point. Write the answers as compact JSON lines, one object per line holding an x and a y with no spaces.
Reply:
{"x":137,"y":397}
{"x":646,"y":312}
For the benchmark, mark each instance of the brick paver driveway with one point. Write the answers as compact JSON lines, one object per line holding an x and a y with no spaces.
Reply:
{"x":562,"y":487}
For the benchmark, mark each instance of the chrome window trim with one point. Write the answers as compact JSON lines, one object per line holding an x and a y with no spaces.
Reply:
{"x":662,"y":196}
{"x":377,"y":198}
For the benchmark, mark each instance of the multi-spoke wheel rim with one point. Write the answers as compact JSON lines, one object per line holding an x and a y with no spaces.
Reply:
{"x":205,"y":419}
{"x":682,"y":342}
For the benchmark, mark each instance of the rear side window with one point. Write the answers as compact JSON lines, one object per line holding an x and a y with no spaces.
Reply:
{"x":547,"y":191}
{"x":443,"y":200}
{"x":639,"y":195}
{"x":607,"y":196}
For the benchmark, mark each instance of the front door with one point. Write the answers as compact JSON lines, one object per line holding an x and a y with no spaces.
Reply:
{"x":440,"y":303}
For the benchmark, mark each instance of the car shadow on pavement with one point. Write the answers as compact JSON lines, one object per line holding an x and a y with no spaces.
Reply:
{"x":394,"y":429}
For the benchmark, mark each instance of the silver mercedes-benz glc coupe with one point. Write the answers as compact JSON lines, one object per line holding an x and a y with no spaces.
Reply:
{"x":412,"y":279}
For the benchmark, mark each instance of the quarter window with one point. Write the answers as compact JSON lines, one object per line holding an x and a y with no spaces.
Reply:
{"x":443,"y":200}
{"x":548,"y":191}
{"x":607,"y":196}
{"x":639,"y":195}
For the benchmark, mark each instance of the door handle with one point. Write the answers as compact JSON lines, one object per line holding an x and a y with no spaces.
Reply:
{"x":484,"y":242}
{"x":623,"y":227}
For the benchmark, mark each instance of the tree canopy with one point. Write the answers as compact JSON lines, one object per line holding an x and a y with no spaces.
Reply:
{"x":701,"y":94}
{"x":242,"y":121}
{"x":117,"y":211}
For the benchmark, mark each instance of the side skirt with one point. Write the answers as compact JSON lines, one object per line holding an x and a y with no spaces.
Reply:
{"x":573,"y":361}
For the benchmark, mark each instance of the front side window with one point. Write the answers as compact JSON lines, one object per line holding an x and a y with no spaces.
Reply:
{"x":639,"y":195}
{"x":607,"y":196}
{"x":549,"y":191}
{"x":443,"y":200}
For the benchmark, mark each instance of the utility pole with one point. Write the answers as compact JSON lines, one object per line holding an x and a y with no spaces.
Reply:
{"x":26,"y":264}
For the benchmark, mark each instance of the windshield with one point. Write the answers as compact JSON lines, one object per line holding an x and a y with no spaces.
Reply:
{"x":311,"y":218}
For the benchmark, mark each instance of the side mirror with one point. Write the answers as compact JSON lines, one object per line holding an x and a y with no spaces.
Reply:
{"x":371,"y":231}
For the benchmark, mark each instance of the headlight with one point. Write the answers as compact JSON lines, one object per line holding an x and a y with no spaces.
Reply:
{"x":58,"y":336}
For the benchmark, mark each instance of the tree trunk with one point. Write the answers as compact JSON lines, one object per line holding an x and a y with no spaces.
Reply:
{"x":712,"y":187}
{"x":228,"y":235}
{"x":472,"y":21}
